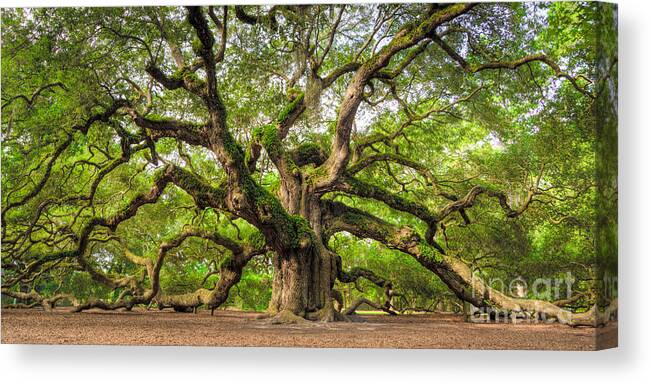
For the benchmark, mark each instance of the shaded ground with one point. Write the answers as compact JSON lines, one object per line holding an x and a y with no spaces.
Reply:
{"x":231,"y":328}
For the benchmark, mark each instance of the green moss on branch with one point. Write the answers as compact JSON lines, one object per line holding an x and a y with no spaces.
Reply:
{"x":291,"y":107}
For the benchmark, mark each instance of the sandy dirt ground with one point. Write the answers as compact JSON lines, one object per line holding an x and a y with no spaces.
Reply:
{"x":238,"y":329}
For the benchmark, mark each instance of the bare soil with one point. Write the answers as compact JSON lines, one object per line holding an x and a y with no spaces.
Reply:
{"x":240,"y":329}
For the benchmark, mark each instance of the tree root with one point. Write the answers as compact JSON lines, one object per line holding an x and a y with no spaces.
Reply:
{"x":287,"y":317}
{"x":329,"y":313}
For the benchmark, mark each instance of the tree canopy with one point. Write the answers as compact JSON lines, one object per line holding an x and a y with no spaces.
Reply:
{"x":305,"y":159}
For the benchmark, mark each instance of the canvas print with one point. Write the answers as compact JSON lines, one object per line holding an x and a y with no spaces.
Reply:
{"x":414,"y":175}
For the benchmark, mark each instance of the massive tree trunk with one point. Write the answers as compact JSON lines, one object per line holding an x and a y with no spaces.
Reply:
{"x":304,"y":277}
{"x":301,"y":283}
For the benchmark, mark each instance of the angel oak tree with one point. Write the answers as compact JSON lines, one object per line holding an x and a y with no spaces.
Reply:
{"x":286,"y":120}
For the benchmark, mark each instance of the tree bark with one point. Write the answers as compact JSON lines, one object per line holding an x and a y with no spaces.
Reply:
{"x":304,"y":277}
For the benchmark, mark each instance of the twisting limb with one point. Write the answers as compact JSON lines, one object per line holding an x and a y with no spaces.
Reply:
{"x":159,"y":127}
{"x":128,"y":150}
{"x":127,"y":36}
{"x":204,"y":50}
{"x":101,"y":116}
{"x":267,"y":19}
{"x":84,"y":127}
{"x":203,"y":193}
{"x":270,"y":137}
{"x":130,"y":282}
{"x":41,"y":183}
{"x":359,"y":188}
{"x":47,"y":303}
{"x":331,"y":37}
{"x":166,"y":81}
{"x":456,"y":274}
{"x":514,"y":64}
{"x":112,"y":222}
{"x":177,"y":55}
{"x":357,"y":303}
{"x":32,"y":99}
{"x":471,"y":197}
{"x":359,"y":162}
{"x":221,"y":26}
{"x":356,"y":273}
{"x":230,"y":272}
{"x":367,"y":161}
{"x":404,"y":39}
